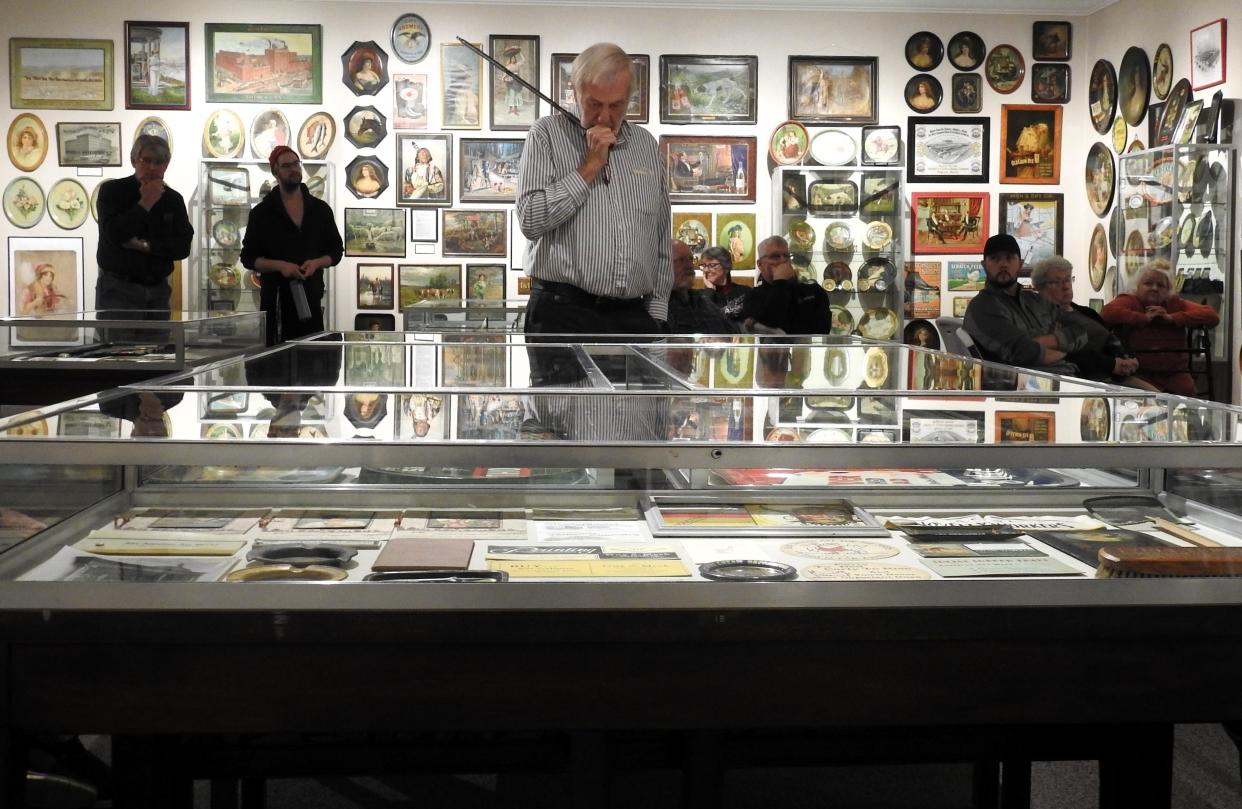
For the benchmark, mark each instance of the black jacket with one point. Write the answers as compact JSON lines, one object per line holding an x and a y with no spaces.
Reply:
{"x":166,"y":226}
{"x":270,"y":233}
{"x":795,"y":307}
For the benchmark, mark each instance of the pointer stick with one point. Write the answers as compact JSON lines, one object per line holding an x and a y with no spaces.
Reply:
{"x":533,"y":89}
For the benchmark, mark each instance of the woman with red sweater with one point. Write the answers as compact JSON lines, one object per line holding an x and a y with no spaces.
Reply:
{"x":1156,"y":318}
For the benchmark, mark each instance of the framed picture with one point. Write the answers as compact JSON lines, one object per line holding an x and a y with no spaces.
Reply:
{"x":424,"y":225}
{"x":1207,"y":55}
{"x":942,"y":426}
{"x":1102,"y":95}
{"x":39,"y":71}
{"x":461,"y":76}
{"x":735,"y":232}
{"x":708,"y":89}
{"x":947,"y":150}
{"x":1037,"y":221}
{"x":948,"y":222}
{"x":365,"y":127}
{"x":923,"y":93}
{"x":881,"y":145}
{"x":410,"y":38}
{"x":475,"y":232}
{"x":967,"y":92}
{"x":268,"y":130}
{"x":514,"y":106}
{"x":966,"y":50}
{"x":157,"y":65}
{"x":152,"y":125}
{"x":409,"y":101}
{"x":833,"y":89}
{"x":264,"y":63}
{"x":425,"y":170}
{"x":88,"y":144}
{"x":640,"y":90}
{"x":694,"y":229}
{"x":706,"y":168}
{"x":428,"y":282}
{"x":375,"y":232}
{"x":1031,"y":143}
{"x":224,"y":135}
{"x":924,"y":51}
{"x":966,"y":276}
{"x":1133,"y":85}
{"x":879,"y":194}
{"x":366,"y":176}
{"x":772,"y":515}
{"x":473,"y":361}
{"x":1004,"y":68}
{"x":1051,"y":40}
{"x":489,"y":169}
{"x":1186,"y":126}
{"x":369,"y":322}
{"x":376,"y":286}
{"x":485,"y":282}
{"x":1025,"y":427}
{"x":1101,"y":178}
{"x":364,"y":68}
{"x":1162,"y":71}
{"x":24,"y":202}
{"x":45,"y":278}
{"x":1050,"y":83}
{"x":27,"y":142}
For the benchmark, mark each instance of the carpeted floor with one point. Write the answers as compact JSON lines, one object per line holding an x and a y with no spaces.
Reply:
{"x":1205,"y":777}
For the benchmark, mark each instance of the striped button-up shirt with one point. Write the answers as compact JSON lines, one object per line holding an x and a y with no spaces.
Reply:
{"x":607,"y":238}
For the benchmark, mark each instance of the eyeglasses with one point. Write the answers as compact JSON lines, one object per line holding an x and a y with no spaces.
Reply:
{"x":777,"y":256}
{"x":295,"y":164}
{"x":712,"y":265}
{"x":152,"y":161}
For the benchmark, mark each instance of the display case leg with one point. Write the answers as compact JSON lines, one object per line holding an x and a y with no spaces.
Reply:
{"x":986,"y":789}
{"x":703,"y":769}
{"x":1015,"y":784}
{"x":1137,"y":773}
{"x":588,"y":769}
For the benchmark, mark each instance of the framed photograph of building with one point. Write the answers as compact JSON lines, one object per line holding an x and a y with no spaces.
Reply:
{"x":514,"y":106}
{"x":832,"y":89}
{"x":425,"y":170}
{"x":60,"y":74}
{"x":428,"y":282}
{"x":157,"y":65}
{"x":45,"y":278}
{"x":264,"y":63}
{"x":489,"y":169}
{"x":707,"y":168}
{"x":375,"y":232}
{"x":1037,"y":221}
{"x":708,"y":89}
{"x":376,"y":286}
{"x":1207,"y":55}
{"x":88,"y":144}
{"x":950,"y":149}
{"x":948,"y":222}
{"x":1031,"y":144}
{"x":461,"y":76}
{"x":475,"y":232}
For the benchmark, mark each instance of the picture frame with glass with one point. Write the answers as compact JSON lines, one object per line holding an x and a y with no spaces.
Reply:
{"x":157,"y":64}
{"x":708,"y":89}
{"x":425,"y":170}
{"x":833,"y":89}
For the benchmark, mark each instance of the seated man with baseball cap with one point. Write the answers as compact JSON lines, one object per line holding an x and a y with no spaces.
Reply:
{"x":1015,"y":326}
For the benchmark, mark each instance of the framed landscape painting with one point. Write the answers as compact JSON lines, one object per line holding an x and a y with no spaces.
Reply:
{"x":60,"y":74}
{"x":157,"y":65}
{"x":475,"y":232}
{"x":375,"y":232}
{"x":708,"y":89}
{"x":264,"y":63}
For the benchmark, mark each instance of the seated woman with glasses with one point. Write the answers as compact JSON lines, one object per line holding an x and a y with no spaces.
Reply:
{"x":1105,"y":358}
{"x":717,"y":267}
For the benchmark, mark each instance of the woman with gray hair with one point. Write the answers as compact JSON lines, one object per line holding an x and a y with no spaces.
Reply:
{"x":1105,"y":358}
{"x":717,"y":266}
{"x":1155,"y":320}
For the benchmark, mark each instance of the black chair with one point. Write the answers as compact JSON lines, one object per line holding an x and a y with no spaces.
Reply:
{"x":1198,"y":352}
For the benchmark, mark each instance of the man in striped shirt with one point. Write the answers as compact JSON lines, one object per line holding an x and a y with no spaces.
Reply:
{"x":595,"y":207}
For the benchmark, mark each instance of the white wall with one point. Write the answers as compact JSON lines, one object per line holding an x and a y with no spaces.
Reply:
{"x":772,"y":35}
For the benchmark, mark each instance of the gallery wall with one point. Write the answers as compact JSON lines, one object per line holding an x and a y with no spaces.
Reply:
{"x":770,"y":35}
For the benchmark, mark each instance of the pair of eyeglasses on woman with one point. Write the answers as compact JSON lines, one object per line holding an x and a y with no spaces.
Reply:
{"x":712,"y":265}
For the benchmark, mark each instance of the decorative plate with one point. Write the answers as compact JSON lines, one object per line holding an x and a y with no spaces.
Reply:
{"x":1162,"y":71}
{"x":878,"y":324}
{"x":316,"y":135}
{"x":1120,"y":134}
{"x":789,"y":144}
{"x":881,"y":146}
{"x":1179,"y":96}
{"x":875,"y":374}
{"x":836,"y":367}
{"x":876,"y":275}
{"x":411,"y":38}
{"x":1134,"y":85}
{"x":226,"y":233}
{"x":923,"y":93}
{"x":269,"y":129}
{"x":224,"y":135}
{"x":842,"y":320}
{"x":27,"y":141}
{"x":1094,"y":421}
{"x":924,"y":51}
{"x":1102,"y":95}
{"x":838,"y":238}
{"x":966,"y":50}
{"x":1186,"y":234}
{"x":838,"y":277}
{"x":1005,"y":69}
{"x":68,"y":204}
{"x":833,"y":147}
{"x":1205,"y":232}
{"x":254,"y":280}
{"x":1101,"y":178}
{"x":829,"y":435}
{"x":1097,"y":260}
{"x":1135,"y":252}
{"x":878,"y":235}
{"x":23,"y":202}
{"x":153,"y":125}
{"x":1161,"y":234}
{"x":225,"y":276}
{"x":95,"y":202}
{"x":800,"y":236}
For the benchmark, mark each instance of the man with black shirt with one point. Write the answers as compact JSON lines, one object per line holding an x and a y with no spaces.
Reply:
{"x":781,"y":304}
{"x":143,"y":229}
{"x":291,"y":238}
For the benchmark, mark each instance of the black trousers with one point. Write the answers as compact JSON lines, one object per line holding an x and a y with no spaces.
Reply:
{"x":568,"y":311}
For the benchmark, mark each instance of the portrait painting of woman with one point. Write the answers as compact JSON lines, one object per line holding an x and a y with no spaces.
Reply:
{"x":27,"y":142}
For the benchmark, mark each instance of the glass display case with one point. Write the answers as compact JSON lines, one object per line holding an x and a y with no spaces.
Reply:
{"x":227,"y":190}
{"x":1176,"y":203}
{"x":844,"y":228}
{"x":725,"y":515}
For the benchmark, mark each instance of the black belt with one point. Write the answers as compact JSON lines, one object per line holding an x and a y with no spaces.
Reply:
{"x":581,"y":297}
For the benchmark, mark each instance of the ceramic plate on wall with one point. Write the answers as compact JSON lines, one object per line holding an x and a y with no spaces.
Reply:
{"x":833,"y":147}
{"x":789,"y":144}
{"x":23,"y":202}
{"x":68,"y":204}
